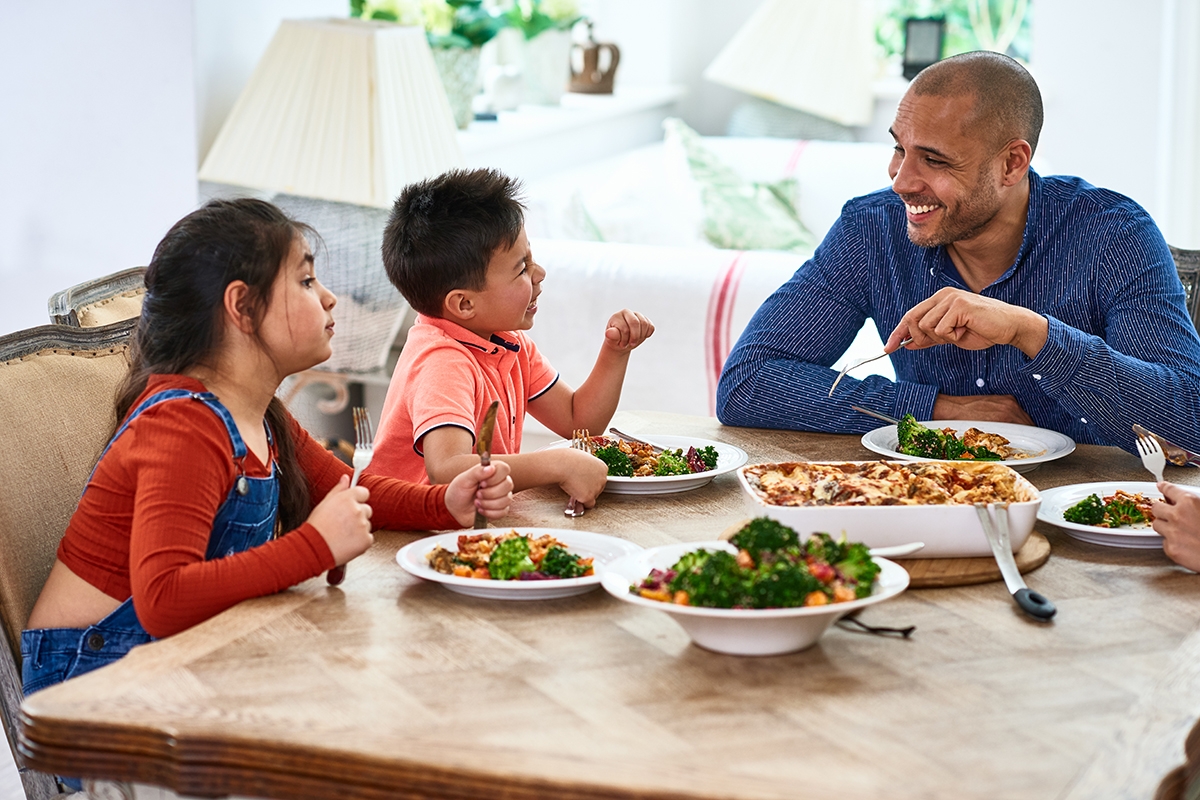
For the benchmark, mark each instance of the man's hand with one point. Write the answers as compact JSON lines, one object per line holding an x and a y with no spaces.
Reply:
{"x":983,"y":407}
{"x":1177,"y":520}
{"x":970,"y":321}
{"x":626,"y":330}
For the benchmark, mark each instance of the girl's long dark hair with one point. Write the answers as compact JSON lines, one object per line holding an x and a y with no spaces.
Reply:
{"x":224,"y":241}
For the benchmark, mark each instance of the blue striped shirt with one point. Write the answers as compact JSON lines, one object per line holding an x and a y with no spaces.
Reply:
{"x":1121,"y":346}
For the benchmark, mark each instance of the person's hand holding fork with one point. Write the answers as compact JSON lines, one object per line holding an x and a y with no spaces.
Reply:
{"x":1177,"y":520}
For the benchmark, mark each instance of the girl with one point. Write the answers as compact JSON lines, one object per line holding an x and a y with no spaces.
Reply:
{"x":204,"y":495}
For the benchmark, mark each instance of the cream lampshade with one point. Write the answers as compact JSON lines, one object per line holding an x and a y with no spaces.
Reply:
{"x":814,"y":55}
{"x":338,"y":109}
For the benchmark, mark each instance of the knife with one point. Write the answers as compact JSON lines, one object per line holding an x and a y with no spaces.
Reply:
{"x":483,"y":446}
{"x":1177,"y":455}
{"x":1032,"y":603}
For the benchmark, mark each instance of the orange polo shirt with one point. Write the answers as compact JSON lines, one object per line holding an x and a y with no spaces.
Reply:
{"x":448,"y":375}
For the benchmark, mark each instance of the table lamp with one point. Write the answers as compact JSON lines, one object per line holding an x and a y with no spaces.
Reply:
{"x":813,"y":55}
{"x":348,"y":110}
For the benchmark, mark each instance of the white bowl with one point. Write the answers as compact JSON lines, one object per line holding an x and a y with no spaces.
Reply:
{"x":738,"y":631}
{"x":948,"y":531}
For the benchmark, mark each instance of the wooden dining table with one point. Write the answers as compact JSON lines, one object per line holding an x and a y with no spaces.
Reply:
{"x":391,"y":686}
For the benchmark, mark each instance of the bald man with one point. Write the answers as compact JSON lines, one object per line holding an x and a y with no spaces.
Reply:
{"x":1029,"y":299}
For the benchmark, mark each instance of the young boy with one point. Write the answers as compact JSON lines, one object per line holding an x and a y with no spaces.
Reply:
{"x":455,"y":247}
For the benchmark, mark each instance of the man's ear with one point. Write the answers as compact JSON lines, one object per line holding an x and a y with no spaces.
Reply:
{"x":459,"y":305}
{"x":236,"y":306}
{"x":1017,"y":156}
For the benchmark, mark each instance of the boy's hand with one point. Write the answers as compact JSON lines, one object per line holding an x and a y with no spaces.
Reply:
{"x":1177,"y":520}
{"x":626,"y":330}
{"x":584,"y":475}
{"x":343,"y":519}
{"x":486,"y":489}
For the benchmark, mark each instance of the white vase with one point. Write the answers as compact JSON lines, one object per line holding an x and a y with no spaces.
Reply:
{"x":547,"y":67}
{"x":459,"y":70}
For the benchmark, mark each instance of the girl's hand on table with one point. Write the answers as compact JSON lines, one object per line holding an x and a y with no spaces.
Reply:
{"x":1177,"y":520}
{"x":583,"y":475}
{"x":487,"y":490}
{"x":343,"y":519}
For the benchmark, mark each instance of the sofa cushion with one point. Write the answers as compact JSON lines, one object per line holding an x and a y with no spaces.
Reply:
{"x":738,"y":214}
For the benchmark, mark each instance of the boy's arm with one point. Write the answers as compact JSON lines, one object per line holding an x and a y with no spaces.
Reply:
{"x":592,"y":405}
{"x":449,"y":451}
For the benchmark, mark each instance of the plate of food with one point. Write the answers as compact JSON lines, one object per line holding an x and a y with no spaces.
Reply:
{"x":684,"y":463}
{"x":1110,"y":513}
{"x":886,"y":503}
{"x":765,"y":591}
{"x":514,"y":563}
{"x":1022,"y":447}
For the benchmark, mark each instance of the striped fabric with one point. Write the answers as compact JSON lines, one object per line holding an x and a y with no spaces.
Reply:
{"x":1121,"y":348}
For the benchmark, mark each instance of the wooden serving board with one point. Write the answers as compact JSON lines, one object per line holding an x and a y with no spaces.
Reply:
{"x":936,"y":573}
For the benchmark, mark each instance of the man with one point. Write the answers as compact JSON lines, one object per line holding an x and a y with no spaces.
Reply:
{"x":1042,"y":301}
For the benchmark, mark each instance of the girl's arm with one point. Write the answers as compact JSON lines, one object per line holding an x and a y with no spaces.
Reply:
{"x":177,"y":458}
{"x":396,"y":505}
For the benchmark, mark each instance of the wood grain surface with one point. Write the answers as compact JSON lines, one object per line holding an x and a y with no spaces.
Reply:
{"x":388,"y":686}
{"x":939,"y":573}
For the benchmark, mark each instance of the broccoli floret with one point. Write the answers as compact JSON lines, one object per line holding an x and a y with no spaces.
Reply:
{"x":857,"y":565}
{"x":672,"y":462}
{"x":510,"y":558}
{"x":561,"y":564}
{"x":617,"y":461}
{"x":708,"y":455}
{"x":914,"y":439}
{"x":780,"y":584}
{"x":711,"y":579}
{"x":764,"y":533}
{"x":1122,"y":512}
{"x":824,"y":547}
{"x":1088,"y":511}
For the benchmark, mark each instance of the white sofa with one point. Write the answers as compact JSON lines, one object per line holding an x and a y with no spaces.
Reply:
{"x":699,"y":297}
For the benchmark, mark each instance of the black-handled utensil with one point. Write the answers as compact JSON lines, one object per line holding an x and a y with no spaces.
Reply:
{"x":1032,"y":603}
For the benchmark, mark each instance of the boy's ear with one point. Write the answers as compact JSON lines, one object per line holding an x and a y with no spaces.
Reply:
{"x":459,"y":305}
{"x":235,"y":303}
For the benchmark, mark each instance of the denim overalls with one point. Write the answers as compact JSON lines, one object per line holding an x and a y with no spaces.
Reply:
{"x":245,"y":519}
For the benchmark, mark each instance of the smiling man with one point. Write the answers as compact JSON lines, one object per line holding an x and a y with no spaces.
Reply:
{"x":1033,"y":300}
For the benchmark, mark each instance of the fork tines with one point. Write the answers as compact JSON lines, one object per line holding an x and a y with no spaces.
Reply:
{"x":581,"y":439}
{"x":363,"y":435}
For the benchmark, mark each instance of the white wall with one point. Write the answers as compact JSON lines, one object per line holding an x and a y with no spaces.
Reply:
{"x":672,"y":41}
{"x":97,"y":144}
{"x":1120,"y":81}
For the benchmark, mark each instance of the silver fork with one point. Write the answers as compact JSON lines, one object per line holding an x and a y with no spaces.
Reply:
{"x":1153,"y":458}
{"x":580,"y":440}
{"x":860,"y":362}
{"x":364,"y":448}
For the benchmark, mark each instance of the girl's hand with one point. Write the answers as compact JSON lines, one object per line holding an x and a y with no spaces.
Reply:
{"x":626,"y":330}
{"x":343,"y":519}
{"x":487,"y":490}
{"x":1177,"y":519}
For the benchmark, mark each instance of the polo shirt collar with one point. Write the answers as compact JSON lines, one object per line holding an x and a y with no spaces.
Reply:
{"x":492,"y":345}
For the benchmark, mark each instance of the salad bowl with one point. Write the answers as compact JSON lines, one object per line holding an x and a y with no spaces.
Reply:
{"x":741,"y":631}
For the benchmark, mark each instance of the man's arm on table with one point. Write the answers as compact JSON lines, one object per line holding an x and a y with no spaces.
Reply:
{"x":778,"y":374}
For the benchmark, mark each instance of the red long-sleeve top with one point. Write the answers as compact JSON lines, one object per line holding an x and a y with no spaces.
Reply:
{"x":143,"y":524}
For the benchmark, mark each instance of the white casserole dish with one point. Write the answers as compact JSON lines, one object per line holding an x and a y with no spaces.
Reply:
{"x":948,"y":531}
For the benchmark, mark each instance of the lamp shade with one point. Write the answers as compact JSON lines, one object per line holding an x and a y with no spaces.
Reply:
{"x":339,"y":109}
{"x":814,"y":55}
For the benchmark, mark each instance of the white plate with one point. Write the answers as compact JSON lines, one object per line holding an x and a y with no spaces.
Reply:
{"x":603,"y":549}
{"x":729,"y":458}
{"x":1043,"y":444}
{"x":746,"y":632}
{"x":1057,"y":500}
